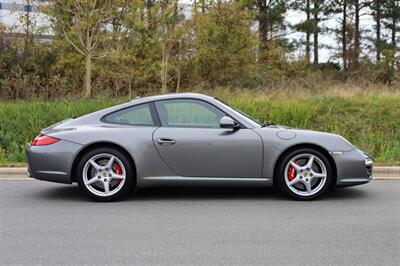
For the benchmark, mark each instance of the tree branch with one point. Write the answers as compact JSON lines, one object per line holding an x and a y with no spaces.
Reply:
{"x":72,"y":43}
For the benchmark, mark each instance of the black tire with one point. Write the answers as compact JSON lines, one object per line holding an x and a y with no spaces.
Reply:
{"x":130,"y":179}
{"x":280,"y":176}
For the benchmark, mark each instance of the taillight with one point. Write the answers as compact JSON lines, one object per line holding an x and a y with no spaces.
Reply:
{"x":42,"y":140}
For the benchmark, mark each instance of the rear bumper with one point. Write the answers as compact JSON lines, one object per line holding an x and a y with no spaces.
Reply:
{"x":52,"y":162}
{"x":353,"y":168}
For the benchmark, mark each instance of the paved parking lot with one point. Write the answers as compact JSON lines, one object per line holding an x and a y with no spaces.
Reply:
{"x":44,"y":223}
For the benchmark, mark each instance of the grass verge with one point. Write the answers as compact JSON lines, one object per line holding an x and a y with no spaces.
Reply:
{"x":370,"y":120}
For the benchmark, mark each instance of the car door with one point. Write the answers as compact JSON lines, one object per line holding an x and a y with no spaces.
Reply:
{"x":192,"y":144}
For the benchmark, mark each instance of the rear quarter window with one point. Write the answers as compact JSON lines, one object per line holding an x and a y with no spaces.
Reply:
{"x":135,"y":115}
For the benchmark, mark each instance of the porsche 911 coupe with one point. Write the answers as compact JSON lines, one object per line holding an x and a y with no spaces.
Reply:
{"x":191,"y":139}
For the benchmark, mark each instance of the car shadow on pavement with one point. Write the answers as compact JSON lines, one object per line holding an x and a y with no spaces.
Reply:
{"x":60,"y":192}
{"x":233,"y":193}
{"x":72,"y":193}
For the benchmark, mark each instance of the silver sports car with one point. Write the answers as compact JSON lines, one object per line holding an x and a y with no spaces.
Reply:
{"x":191,"y":139}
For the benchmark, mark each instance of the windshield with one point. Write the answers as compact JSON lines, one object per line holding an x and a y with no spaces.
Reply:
{"x":240,"y":112}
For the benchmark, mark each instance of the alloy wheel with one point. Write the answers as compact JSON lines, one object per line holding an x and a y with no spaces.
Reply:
{"x":104,"y":174}
{"x":305,"y":174}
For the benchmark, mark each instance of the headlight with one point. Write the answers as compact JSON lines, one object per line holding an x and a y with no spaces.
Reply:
{"x":368,"y":161}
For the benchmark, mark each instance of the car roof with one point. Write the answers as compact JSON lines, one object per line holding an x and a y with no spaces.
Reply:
{"x":142,"y":100}
{"x":171,"y":96}
{"x":95,"y":117}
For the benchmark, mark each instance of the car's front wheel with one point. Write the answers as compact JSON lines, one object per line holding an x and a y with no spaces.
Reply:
{"x":105,"y":174}
{"x":304,"y":174}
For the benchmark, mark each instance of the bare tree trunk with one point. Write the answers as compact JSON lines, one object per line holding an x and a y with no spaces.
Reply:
{"x":88,"y":76}
{"x":308,"y":34}
{"x":1,"y":41}
{"x":344,"y":37}
{"x":378,"y":30}
{"x":394,"y":46}
{"x":356,"y":33}
{"x":316,"y":30}
{"x":164,"y":69}
{"x":263,"y":26}
{"x":178,"y":81}
{"x":130,"y":89}
{"x":27,"y":48}
{"x":117,"y":87}
{"x":394,"y":29}
{"x":166,"y":72}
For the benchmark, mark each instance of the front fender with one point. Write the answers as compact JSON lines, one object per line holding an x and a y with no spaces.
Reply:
{"x":276,"y":141}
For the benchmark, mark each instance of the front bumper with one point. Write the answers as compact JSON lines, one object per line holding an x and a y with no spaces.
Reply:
{"x":52,"y":162}
{"x":353,"y":168}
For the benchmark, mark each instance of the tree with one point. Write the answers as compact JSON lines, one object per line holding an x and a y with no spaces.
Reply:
{"x":357,"y":6}
{"x":391,"y":16}
{"x":2,"y":30}
{"x":270,"y":16}
{"x":344,"y":35}
{"x":341,"y":9}
{"x":84,"y":30}
{"x":308,"y":32}
{"x":224,"y":50}
{"x":28,"y":27}
{"x":306,"y":26}
{"x":169,"y":36}
{"x":376,"y":7}
{"x":318,"y":11}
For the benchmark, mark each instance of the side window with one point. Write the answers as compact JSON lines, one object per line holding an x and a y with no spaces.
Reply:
{"x":135,"y":115}
{"x":188,"y":113}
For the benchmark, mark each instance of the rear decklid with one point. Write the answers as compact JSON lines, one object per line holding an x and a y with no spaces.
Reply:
{"x":58,"y":127}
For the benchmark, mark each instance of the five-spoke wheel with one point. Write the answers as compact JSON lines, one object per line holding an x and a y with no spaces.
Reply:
{"x":304,"y":174}
{"x":105,"y":174}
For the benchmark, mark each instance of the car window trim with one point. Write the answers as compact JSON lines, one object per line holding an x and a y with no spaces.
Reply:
{"x":154,"y":114}
{"x":195,"y":99}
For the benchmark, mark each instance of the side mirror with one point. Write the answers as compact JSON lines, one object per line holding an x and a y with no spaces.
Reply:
{"x":227,"y":122}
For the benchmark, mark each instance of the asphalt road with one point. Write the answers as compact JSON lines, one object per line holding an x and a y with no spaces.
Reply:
{"x":44,"y":223}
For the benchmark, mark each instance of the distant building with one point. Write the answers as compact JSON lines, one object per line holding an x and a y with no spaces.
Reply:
{"x":12,"y":11}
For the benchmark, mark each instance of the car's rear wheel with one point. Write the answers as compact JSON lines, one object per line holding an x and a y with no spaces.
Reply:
{"x":304,"y":174}
{"x":105,"y":174}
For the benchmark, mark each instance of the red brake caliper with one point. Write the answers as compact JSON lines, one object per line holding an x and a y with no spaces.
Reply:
{"x":291,"y":172}
{"x":118,"y":171}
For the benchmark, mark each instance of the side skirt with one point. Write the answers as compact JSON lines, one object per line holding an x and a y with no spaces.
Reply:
{"x":203,"y":181}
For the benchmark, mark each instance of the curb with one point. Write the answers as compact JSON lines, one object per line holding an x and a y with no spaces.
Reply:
{"x":394,"y":170}
{"x":379,"y":172}
{"x":12,"y":171}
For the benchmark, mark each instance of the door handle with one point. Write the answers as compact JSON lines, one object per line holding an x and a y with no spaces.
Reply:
{"x":165,"y":142}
